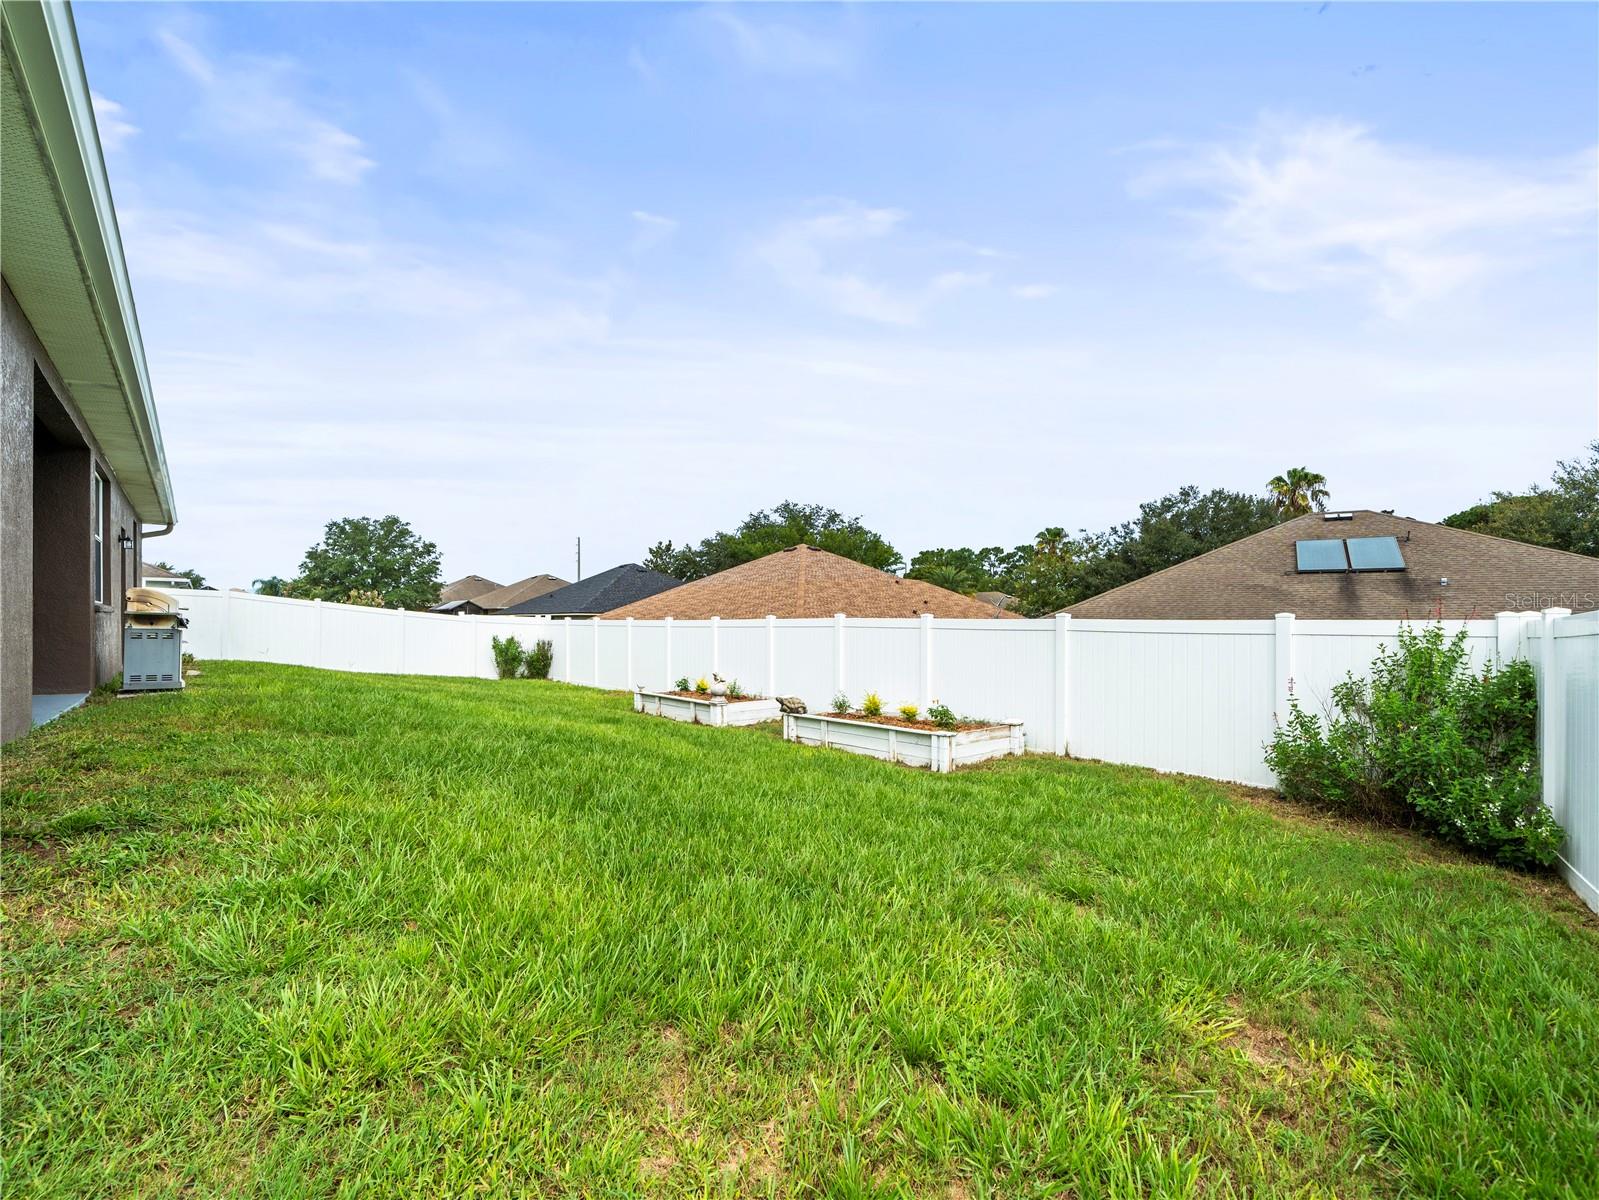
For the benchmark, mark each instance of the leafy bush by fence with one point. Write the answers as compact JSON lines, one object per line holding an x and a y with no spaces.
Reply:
{"x":508,"y":656}
{"x":1426,"y":740}
{"x":539,"y":659}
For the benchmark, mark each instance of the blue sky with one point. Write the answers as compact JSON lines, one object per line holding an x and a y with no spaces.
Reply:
{"x":521,"y":273}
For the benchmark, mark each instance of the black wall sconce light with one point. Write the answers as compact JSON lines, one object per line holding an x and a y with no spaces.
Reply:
{"x":124,"y":540}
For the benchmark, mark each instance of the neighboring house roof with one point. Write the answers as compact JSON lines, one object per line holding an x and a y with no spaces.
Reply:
{"x":62,"y":253}
{"x":151,"y":571}
{"x":599,"y":593}
{"x":1001,"y":600}
{"x":468,"y":587}
{"x":803,"y":581}
{"x":1257,"y":576}
{"x":512,"y":594}
{"x":456,"y":606}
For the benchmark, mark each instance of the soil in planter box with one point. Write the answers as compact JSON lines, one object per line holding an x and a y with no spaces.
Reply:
{"x":692,"y":695}
{"x":902,"y":723}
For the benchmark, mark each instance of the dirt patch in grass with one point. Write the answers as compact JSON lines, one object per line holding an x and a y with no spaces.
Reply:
{"x":674,"y":1121}
{"x":1268,"y":1048}
{"x":42,"y":851}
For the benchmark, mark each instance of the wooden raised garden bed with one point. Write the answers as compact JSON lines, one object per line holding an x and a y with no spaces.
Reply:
{"x":916,"y":744}
{"x":699,"y":709}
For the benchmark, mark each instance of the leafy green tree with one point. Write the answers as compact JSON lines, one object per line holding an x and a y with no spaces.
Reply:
{"x":1564,"y":515}
{"x":1525,"y":518}
{"x":1173,"y":529}
{"x":769,"y":530}
{"x":1298,"y":491}
{"x":272,"y":585}
{"x":1047,"y":581}
{"x":992,"y":568}
{"x":1057,"y":570}
{"x":1576,"y":490}
{"x":367,"y":555}
{"x":952,"y":577}
{"x":196,"y":580}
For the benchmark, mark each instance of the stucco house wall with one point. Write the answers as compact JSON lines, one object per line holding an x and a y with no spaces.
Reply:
{"x":78,"y":456}
{"x":54,"y":637}
{"x":16,"y":523}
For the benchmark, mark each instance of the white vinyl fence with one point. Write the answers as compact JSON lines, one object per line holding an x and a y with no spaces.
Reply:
{"x":1197,"y":697}
{"x":1564,"y":652}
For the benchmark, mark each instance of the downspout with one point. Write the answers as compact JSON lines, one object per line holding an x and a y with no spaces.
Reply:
{"x":143,"y":536}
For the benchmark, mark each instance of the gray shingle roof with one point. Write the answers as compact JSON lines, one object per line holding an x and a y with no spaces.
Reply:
{"x":523,"y":590}
{"x":468,"y":587}
{"x":598,"y":593}
{"x":1256,"y":577}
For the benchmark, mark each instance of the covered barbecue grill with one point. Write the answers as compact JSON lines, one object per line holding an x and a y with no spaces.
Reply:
{"x":152,"y":641}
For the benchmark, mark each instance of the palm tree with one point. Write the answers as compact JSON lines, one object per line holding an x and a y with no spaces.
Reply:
{"x":1298,"y":490}
{"x":953,"y":577}
{"x":1051,"y":542}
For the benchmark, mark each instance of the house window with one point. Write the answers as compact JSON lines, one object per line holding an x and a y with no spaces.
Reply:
{"x":97,"y":521}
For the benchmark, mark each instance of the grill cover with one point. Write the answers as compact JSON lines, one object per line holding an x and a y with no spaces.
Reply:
{"x":149,"y":609}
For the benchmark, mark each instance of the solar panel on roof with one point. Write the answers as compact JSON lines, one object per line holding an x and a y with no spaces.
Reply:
{"x":1321,"y":554}
{"x":1376,"y":554}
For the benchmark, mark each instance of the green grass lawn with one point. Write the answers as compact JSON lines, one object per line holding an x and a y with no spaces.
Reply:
{"x":298,"y":933}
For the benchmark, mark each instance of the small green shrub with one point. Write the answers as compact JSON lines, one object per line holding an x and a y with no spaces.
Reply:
{"x":872,"y":705}
{"x":682,"y":684}
{"x":941,"y":715}
{"x":734,"y":692}
{"x":539,"y":660}
{"x":507,"y":656}
{"x":909,"y":711}
{"x":1426,"y":741}
{"x":841,"y":703}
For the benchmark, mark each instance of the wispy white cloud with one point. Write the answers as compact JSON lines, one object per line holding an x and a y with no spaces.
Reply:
{"x":1034,"y":291}
{"x":1326,"y":203}
{"x":801,"y":253}
{"x":253,"y":98}
{"x":188,"y":58}
{"x":780,"y":47}
{"x":463,"y":141}
{"x":651,"y":230}
{"x":373,"y":286}
{"x":112,"y":121}
{"x":638,"y":62}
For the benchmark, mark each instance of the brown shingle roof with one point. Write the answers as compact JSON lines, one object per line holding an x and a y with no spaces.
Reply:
{"x":803,"y":581}
{"x":1256,"y":577}
{"x":516,"y":593}
{"x":468,"y":587}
